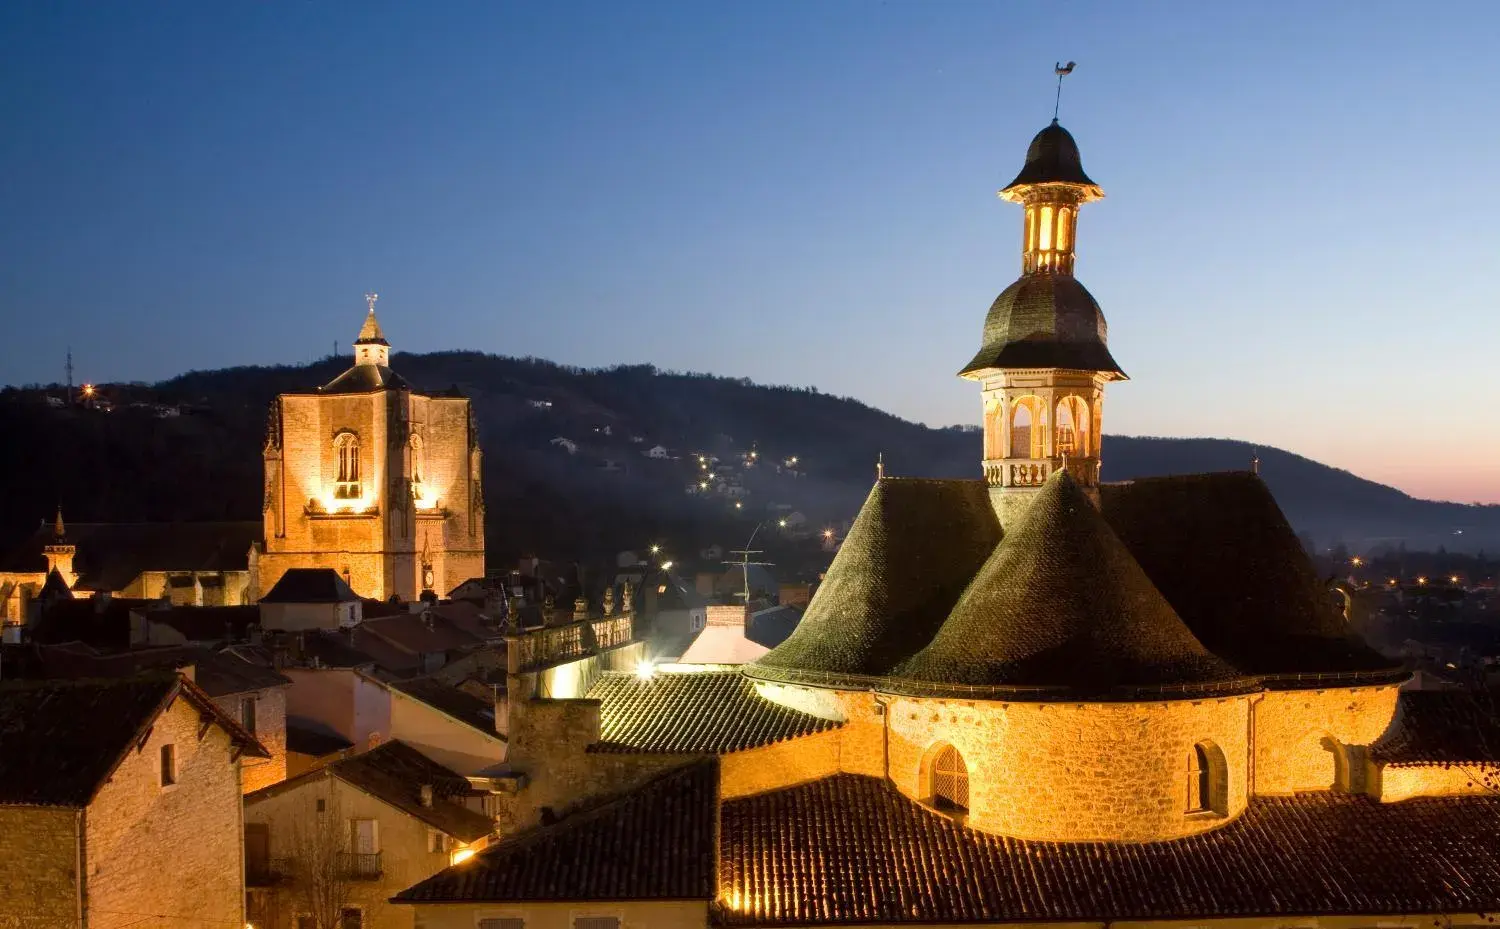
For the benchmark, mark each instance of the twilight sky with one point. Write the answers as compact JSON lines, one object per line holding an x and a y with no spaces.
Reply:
{"x":1297,"y":248}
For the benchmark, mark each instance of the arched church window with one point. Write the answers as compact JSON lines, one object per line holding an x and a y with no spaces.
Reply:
{"x":950,"y":780}
{"x":1045,"y":244}
{"x":1207,"y":780}
{"x":346,"y":446}
{"x":1064,"y":229}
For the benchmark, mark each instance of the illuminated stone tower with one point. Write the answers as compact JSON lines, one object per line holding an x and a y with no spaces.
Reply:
{"x":374,"y":479}
{"x":1045,"y":359}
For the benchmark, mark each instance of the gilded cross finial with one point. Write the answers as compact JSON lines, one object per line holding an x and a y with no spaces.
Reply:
{"x":370,"y":299}
{"x":1063,"y":70}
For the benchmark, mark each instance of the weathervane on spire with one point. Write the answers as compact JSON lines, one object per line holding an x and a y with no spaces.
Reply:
{"x":370,"y":299}
{"x":880,"y":466}
{"x":1063,"y":70}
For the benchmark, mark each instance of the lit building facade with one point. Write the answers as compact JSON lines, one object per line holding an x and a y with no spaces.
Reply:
{"x":1032,"y":697}
{"x":374,"y":479}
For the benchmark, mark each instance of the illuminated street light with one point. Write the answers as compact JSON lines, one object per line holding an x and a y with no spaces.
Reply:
{"x":645,"y":670}
{"x":738,"y":505}
{"x":781,"y":523}
{"x":1356,"y":561}
{"x":1453,"y":578}
{"x":88,"y":390}
{"x":827,"y":533}
{"x":1422,"y":580}
{"x":656,"y":549}
{"x":667,"y":565}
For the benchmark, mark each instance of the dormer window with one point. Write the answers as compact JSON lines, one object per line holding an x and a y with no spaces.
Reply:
{"x":346,"y":447}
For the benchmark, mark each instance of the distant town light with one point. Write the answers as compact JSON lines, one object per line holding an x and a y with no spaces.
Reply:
{"x":827,"y":533}
{"x":1421,"y":580}
{"x":88,"y":390}
{"x":781,"y":523}
{"x":738,"y":505}
{"x":667,"y":565}
{"x":1453,"y":578}
{"x":645,"y":670}
{"x":1356,"y":561}
{"x":656,"y":549}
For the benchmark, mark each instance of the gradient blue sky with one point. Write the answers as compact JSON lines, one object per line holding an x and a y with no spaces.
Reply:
{"x":1298,"y":247}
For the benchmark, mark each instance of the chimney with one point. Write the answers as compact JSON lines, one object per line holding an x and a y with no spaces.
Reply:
{"x":427,"y":795}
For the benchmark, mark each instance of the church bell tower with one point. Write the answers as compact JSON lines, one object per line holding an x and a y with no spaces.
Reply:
{"x":1045,"y":360}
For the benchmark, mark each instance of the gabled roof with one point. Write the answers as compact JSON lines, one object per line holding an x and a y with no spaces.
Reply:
{"x":912,"y":550}
{"x":692,"y":712}
{"x":395,"y":773}
{"x":218,"y":674}
{"x":1219,"y":549}
{"x":654,"y":843}
{"x":850,"y":849}
{"x":111,"y":555}
{"x":420,"y":633}
{"x":61,"y":740}
{"x":1060,"y":608}
{"x":310,"y":585}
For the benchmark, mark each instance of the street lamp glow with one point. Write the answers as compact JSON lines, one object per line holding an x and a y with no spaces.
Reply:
{"x":667,"y":565}
{"x":738,"y":505}
{"x":827,"y":533}
{"x":645,"y":670}
{"x":656,"y":549}
{"x":1356,"y":561}
{"x":781,"y":523}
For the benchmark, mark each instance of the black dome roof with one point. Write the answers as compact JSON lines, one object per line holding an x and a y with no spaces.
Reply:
{"x":1053,"y":159}
{"x":1045,"y":320}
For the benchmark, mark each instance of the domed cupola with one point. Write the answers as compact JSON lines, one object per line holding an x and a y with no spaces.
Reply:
{"x":1044,"y":358}
{"x":1061,"y":611}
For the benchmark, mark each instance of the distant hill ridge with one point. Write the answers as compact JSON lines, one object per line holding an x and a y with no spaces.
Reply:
{"x":131,"y":464}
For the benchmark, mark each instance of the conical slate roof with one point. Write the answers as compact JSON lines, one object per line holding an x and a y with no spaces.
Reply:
{"x":369,"y":333}
{"x":911,"y":551}
{"x":1045,"y":320}
{"x":1061,"y":610}
{"x":1053,"y":158}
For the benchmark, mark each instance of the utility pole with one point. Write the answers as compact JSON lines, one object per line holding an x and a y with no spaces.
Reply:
{"x":68,"y":368}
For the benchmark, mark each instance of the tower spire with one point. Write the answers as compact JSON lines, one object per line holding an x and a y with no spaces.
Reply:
{"x":371,"y":347}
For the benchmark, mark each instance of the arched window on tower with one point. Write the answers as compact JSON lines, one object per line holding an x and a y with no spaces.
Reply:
{"x":346,"y":446}
{"x":950,"y":780}
{"x":1073,"y":427}
{"x":1207,"y":780}
{"x":1028,"y":428}
{"x":994,"y":428}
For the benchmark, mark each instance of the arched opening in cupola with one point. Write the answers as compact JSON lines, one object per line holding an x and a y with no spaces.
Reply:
{"x":1073,"y":427}
{"x":1207,"y":780}
{"x":994,"y":428}
{"x":1028,"y":428}
{"x":948,"y":780}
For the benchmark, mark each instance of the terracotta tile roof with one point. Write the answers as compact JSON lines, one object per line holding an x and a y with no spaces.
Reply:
{"x":418,"y":633}
{"x":653,"y":843}
{"x":850,"y":849}
{"x":1442,"y":727}
{"x":692,"y":712}
{"x":1219,"y":549}
{"x":218,"y":674}
{"x":913,"y":549}
{"x":61,"y":740}
{"x":395,"y":773}
{"x":1061,"y":609}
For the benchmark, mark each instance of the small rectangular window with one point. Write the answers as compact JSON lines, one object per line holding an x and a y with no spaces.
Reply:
{"x":168,"y":765}
{"x":247,"y":714}
{"x":597,"y":922}
{"x":496,"y":922}
{"x":322,"y":804}
{"x":436,"y":841}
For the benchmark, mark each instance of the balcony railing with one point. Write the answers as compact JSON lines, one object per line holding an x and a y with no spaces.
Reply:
{"x":1033,"y":472}
{"x":360,"y":866}
{"x":551,"y":645}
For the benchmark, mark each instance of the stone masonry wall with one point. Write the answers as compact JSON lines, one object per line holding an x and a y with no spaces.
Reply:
{"x":270,"y":731}
{"x":1394,"y":784}
{"x":405,"y":855}
{"x":39,"y":852}
{"x":1301,"y":735}
{"x":175,"y":850}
